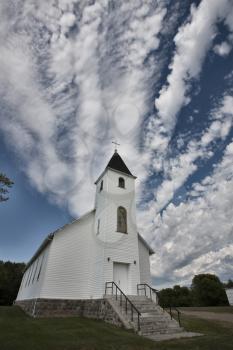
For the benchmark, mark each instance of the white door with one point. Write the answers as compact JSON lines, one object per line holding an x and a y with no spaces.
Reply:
{"x":120,"y":276}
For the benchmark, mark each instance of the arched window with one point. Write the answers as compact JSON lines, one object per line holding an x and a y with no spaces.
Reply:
{"x":121,"y":182}
{"x":121,"y":220}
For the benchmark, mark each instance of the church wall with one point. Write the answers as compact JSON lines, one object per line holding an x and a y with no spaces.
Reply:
{"x":31,"y":285}
{"x":144,"y":260}
{"x":97,"y":275}
{"x":70,"y":262}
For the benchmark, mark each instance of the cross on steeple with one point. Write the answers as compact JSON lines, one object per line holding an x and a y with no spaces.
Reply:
{"x":116,"y":144}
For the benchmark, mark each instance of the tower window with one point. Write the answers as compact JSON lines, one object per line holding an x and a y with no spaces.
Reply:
{"x":101,"y":185}
{"x":121,"y":220}
{"x":121,"y":182}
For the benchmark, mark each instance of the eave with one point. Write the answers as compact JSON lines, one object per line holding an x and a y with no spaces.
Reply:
{"x":151,"y":251}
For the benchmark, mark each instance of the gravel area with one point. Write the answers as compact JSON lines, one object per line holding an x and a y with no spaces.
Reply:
{"x":210,"y":315}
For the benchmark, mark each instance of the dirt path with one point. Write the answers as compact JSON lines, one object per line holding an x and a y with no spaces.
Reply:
{"x":210,"y":315}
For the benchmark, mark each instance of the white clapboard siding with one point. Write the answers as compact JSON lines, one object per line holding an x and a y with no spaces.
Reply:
{"x":69,"y":262}
{"x":144,"y":262}
{"x":33,"y":278}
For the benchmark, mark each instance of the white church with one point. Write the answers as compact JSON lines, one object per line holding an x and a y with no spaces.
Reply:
{"x":99,"y":265}
{"x":76,"y":261}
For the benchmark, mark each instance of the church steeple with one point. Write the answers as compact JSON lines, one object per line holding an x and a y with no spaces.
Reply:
{"x":117,"y":163}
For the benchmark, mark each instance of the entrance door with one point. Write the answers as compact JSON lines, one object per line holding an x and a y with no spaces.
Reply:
{"x":120,"y":276}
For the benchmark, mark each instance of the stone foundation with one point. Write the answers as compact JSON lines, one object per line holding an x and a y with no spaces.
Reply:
{"x":100,"y":309}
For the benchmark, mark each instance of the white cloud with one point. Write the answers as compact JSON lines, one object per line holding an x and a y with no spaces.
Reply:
{"x":190,"y":236}
{"x":192,"y":43}
{"x":177,"y":170}
{"x":67,"y":20}
{"x":82,"y":81}
{"x":222,"y":49}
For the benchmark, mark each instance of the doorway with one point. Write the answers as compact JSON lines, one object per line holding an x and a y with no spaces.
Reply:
{"x":120,"y":276}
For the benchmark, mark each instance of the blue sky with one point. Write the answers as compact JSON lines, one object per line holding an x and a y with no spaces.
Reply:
{"x":156,"y":76}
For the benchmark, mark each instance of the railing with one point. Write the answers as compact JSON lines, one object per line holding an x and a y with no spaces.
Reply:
{"x":129,"y":306}
{"x":152,"y":291}
{"x":145,"y":287}
{"x":178,"y":313}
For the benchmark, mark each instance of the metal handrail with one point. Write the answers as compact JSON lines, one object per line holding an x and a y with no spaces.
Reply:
{"x":142,"y":286}
{"x":127,"y":300}
{"x":178,"y":313}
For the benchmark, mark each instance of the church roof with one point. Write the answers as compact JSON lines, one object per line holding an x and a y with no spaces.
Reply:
{"x":117,"y":163}
{"x":151,"y":251}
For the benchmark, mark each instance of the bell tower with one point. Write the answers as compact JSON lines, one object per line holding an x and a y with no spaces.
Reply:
{"x":115,"y":225}
{"x":115,"y":201}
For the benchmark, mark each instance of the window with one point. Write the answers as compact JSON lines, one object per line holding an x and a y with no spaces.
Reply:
{"x":33,"y":266}
{"x":98,"y":227}
{"x":26,"y":278}
{"x":34,"y":275}
{"x":121,"y":182}
{"x":121,"y":220}
{"x":38,"y":276}
{"x":101,"y":185}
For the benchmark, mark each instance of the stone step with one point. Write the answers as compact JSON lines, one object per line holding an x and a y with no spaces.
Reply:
{"x":139,"y":302}
{"x":137,"y":296}
{"x":156,"y":323}
{"x":153,"y":320}
{"x":141,"y":309}
{"x":150,"y":309}
{"x":146,"y":306}
{"x":148,"y":321}
{"x":140,"y":299}
{"x":160,"y":337}
{"x":154,"y":314}
{"x":161,"y":331}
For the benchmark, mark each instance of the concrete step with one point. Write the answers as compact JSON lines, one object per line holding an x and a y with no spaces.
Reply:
{"x":156,"y":324}
{"x":160,"y":331}
{"x":160,"y":337}
{"x":137,"y":297}
{"x":154,"y":321}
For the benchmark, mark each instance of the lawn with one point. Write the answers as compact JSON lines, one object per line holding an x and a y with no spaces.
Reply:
{"x":21,"y":332}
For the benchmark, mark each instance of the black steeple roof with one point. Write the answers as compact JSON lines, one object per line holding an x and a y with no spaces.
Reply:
{"x":117,"y":163}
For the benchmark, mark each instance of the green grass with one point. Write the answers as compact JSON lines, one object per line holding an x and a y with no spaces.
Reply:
{"x":21,"y":332}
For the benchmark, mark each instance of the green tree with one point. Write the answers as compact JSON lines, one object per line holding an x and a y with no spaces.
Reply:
{"x":182,"y":296}
{"x":166,"y":297}
{"x":5,"y":183}
{"x":176,"y":296}
{"x":10,"y":279}
{"x":207,"y":290}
